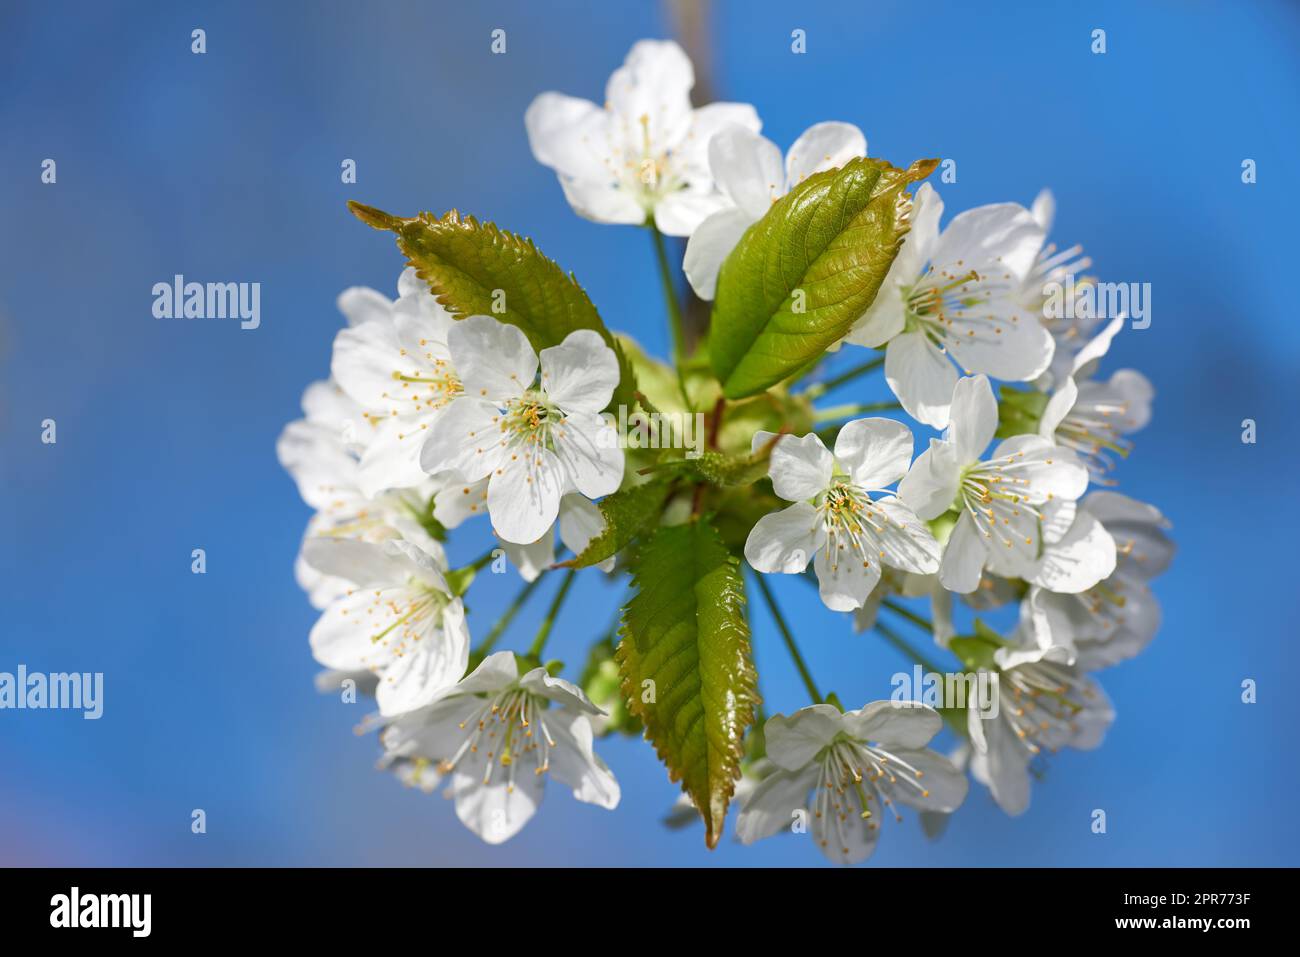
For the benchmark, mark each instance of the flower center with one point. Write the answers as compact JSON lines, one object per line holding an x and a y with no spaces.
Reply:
{"x":853,"y":774}
{"x":528,"y":420}
{"x":1094,"y":430}
{"x":510,"y":729}
{"x":1000,"y":494}
{"x":953,"y":305}
{"x":852,"y":522}
{"x":1046,"y":699}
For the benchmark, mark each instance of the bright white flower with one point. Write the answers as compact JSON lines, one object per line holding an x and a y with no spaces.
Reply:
{"x":532,"y":442}
{"x":1044,"y":705}
{"x":318,"y":451}
{"x":748,"y":169}
{"x":580,"y":521}
{"x":1116,"y":619}
{"x":395,"y":365}
{"x":1051,"y":269}
{"x":497,"y":735}
{"x":857,"y":764}
{"x":1092,"y":417}
{"x":1011,"y":504}
{"x":399,"y":620}
{"x":644,"y":155}
{"x":955,"y":295}
{"x":834,"y":516}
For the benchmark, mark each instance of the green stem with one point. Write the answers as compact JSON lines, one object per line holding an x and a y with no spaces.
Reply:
{"x":504,"y":621}
{"x":852,"y":409}
{"x":919,"y":620}
{"x":818,"y":389}
{"x":678,"y":322}
{"x":799,"y":663}
{"x":544,"y":632}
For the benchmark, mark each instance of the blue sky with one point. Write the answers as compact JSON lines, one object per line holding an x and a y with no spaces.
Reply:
{"x":225,"y":167}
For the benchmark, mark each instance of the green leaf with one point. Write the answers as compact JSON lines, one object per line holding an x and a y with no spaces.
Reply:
{"x":685,"y":631}
{"x":627,"y":512}
{"x":469,"y":265}
{"x":804,"y":273}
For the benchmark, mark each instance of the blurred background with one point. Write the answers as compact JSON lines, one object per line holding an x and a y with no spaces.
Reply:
{"x":225,"y":167}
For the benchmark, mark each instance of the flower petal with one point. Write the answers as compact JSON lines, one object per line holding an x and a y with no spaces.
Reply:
{"x":587,"y":449}
{"x":746,"y":166}
{"x":429,"y":666}
{"x":581,"y":373}
{"x":845,"y":579}
{"x":974,"y":418}
{"x":963,"y":558}
{"x":800,"y":467}
{"x":875,"y":452}
{"x":785,"y":541}
{"x":710,"y":245}
{"x":794,"y":741}
{"x":361,"y":304}
{"x":894,"y":726}
{"x":921,"y":376}
{"x":905,"y":541}
{"x":771,"y":806}
{"x":575,"y":763}
{"x":821,"y":147}
{"x":493,"y":360}
{"x":465,"y":439}
{"x":930,"y":486}
{"x":524,"y":495}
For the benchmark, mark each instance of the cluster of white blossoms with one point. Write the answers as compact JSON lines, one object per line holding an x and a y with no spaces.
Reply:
{"x":437,"y":415}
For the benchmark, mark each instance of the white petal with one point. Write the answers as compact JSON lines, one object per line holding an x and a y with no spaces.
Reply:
{"x":603,"y":201}
{"x":906,"y":541}
{"x":1085,"y":556}
{"x":845,"y":579}
{"x":682,"y":212}
{"x":1000,"y":339}
{"x":892,"y":726}
{"x":930,"y":486}
{"x":459,"y":501}
{"x":531,"y":560}
{"x":362,"y":563}
{"x":524,"y":495}
{"x":498,"y":670}
{"x":581,"y":373}
{"x":575,"y":763}
{"x":964,"y":557}
{"x":493,"y":360}
{"x":1007,"y":766}
{"x":921,"y":376}
{"x":785,"y":541}
{"x":794,"y":741}
{"x":1057,"y":408}
{"x":1004,"y":234}
{"x":569,"y":135}
{"x":974,"y":418}
{"x":821,"y":147}
{"x":580,"y":522}
{"x":365,"y":358}
{"x":943,"y":786}
{"x":710,"y":245}
{"x":875,"y":452}
{"x":360,"y":304}
{"x":771,"y":806}
{"x":1044,"y":210}
{"x":565,"y":693}
{"x":465,"y":439}
{"x":498,"y":810}
{"x":344,"y":637}
{"x":654,"y":82}
{"x":800,"y":467}
{"x":587,"y":448}
{"x":393,"y":457}
{"x":1057,"y":470}
{"x":427,"y":667}
{"x":747,"y":167}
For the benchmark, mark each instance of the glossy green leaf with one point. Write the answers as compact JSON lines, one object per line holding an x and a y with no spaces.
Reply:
{"x":804,"y":273}
{"x":686,"y":664}
{"x":479,"y":269}
{"x":627,"y":513}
